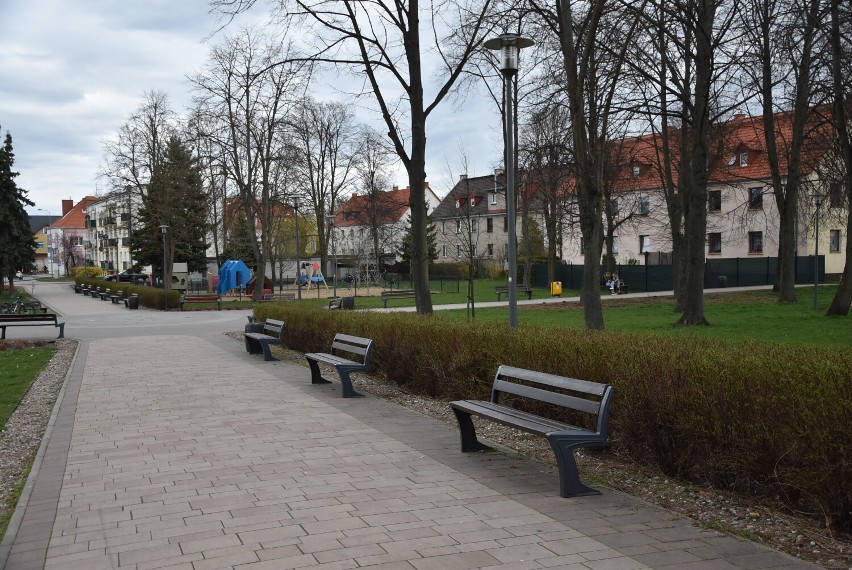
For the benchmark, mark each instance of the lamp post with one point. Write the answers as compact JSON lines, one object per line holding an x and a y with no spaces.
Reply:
{"x":330,"y":221}
{"x":165,"y":229}
{"x":817,"y":202}
{"x":509,"y":45}
{"x":298,"y":260}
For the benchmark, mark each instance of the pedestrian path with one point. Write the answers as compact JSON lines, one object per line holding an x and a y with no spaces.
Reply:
{"x":176,"y":449}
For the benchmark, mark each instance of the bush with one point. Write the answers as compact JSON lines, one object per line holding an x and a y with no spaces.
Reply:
{"x":749,"y":417}
{"x":90,"y":272}
{"x":150,"y":297}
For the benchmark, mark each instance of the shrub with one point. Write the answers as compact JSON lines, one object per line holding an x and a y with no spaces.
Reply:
{"x":150,"y":297}
{"x":750,"y":417}
{"x":89,"y":272}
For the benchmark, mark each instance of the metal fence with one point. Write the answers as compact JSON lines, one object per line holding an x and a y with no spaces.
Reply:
{"x":737,"y":272}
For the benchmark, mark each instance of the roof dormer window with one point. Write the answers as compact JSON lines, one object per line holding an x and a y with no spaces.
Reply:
{"x":744,"y":159}
{"x":636,"y":171}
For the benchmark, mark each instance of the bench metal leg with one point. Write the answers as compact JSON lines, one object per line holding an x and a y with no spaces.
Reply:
{"x":468,"y":433}
{"x":346,"y":382}
{"x":316,"y":375}
{"x":569,"y":477}
{"x":267,"y":351}
{"x":61,"y":330}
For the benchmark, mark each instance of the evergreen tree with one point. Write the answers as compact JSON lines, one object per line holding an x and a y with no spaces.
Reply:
{"x":176,"y":198}
{"x":239,"y":245}
{"x":17,"y":244}
{"x":404,"y":250}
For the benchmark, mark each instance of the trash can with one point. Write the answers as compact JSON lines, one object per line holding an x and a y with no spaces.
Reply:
{"x":556,"y":289}
{"x":133,"y":302}
{"x":723,"y":281}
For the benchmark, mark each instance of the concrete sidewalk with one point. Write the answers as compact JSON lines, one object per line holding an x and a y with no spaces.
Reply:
{"x":176,"y":449}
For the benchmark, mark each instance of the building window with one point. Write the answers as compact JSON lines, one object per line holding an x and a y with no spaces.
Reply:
{"x":472,"y":201}
{"x":714,"y":243}
{"x":834,"y":241}
{"x":835,"y":195}
{"x":489,"y":225}
{"x":443,"y":227}
{"x":755,"y":198}
{"x":445,"y":251}
{"x":490,"y":250}
{"x":615,"y":245}
{"x":644,"y":244}
{"x":458,"y":226}
{"x":743,"y":159}
{"x":458,"y":251}
{"x":613,"y":208}
{"x":644,"y":205}
{"x":474,"y":227}
{"x":473,"y":251}
{"x":714,"y":200}
{"x":505,"y":224}
{"x":755,"y":242}
{"x":493,"y":198}
{"x":636,"y":171}
{"x":458,"y":203}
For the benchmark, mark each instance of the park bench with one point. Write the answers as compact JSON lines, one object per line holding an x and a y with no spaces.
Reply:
{"x":591,"y":399}
{"x":501,"y":290}
{"x":118,"y":297}
{"x":78,"y":288}
{"x":128,"y":301}
{"x":41,"y":320}
{"x":207,"y":298}
{"x":619,"y":288}
{"x":260,"y":336}
{"x":93,"y":291}
{"x":341,"y":303}
{"x":104,"y":294}
{"x":352,"y":346}
{"x":396,"y":294}
{"x":279,"y":297}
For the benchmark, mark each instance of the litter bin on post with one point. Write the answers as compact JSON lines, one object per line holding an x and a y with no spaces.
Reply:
{"x":133,"y":302}
{"x":723,"y":281}
{"x":556,"y":289}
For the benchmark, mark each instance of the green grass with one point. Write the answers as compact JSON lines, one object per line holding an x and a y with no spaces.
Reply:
{"x":751,"y":315}
{"x":18,"y":369}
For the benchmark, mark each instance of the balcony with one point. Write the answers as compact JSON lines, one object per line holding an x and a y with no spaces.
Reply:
{"x":112,"y":242}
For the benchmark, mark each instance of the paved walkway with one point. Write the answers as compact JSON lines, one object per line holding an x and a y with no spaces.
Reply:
{"x":173,"y":448}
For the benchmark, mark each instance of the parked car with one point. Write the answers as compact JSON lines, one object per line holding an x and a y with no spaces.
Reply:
{"x":125,"y":277}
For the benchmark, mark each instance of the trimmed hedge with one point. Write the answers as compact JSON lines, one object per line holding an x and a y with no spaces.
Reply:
{"x":150,"y":297}
{"x":750,"y":417}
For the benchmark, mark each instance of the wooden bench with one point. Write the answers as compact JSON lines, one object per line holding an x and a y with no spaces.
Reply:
{"x":200,"y":299}
{"x":260,"y":336}
{"x":504,"y":290}
{"x":341,"y":303}
{"x":353,"y":346}
{"x":118,"y":297}
{"x":104,"y":294}
{"x":396,"y":294}
{"x":93,"y":292}
{"x":279,"y":297}
{"x":78,"y":288}
{"x":38,"y":320}
{"x":589,"y":398}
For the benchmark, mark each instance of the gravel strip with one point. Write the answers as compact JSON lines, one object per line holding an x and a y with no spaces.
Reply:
{"x":20,"y":439}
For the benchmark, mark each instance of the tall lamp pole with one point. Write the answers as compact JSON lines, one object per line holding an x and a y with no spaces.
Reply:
{"x":817,"y":202}
{"x":165,"y":229}
{"x":330,"y":220}
{"x":509,"y":45}
{"x":298,"y":259}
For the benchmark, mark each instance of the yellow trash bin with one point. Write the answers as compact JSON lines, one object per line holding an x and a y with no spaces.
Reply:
{"x":556,"y":289}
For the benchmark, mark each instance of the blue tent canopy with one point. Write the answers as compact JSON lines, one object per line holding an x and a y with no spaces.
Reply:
{"x":234,"y":274}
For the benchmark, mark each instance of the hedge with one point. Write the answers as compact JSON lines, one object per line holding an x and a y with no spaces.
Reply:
{"x":150,"y":297}
{"x":749,"y":417}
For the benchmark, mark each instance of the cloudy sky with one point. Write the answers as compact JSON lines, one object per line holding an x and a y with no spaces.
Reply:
{"x":71,"y":74}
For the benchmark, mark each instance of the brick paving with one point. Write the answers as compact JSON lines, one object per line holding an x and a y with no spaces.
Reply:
{"x":178,"y":450}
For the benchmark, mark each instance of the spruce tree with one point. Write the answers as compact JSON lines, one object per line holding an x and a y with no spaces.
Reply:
{"x":17,"y":243}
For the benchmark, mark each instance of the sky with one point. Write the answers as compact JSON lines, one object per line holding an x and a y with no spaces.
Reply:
{"x":71,"y":73}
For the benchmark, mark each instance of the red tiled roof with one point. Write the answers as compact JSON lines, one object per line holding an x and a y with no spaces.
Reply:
{"x":391,"y":206}
{"x":76,"y":217}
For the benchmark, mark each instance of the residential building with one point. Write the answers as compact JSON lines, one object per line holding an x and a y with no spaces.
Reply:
{"x":107,"y":243}
{"x":386,"y":212}
{"x":39,"y":226}
{"x":67,"y":235}
{"x":742,"y":216}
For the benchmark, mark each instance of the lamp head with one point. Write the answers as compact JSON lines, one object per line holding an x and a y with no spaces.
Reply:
{"x":818,"y":199}
{"x":164,"y":228}
{"x":508,"y":45}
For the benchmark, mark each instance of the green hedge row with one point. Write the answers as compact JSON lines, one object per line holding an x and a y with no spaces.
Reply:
{"x":150,"y":297}
{"x":748,"y":417}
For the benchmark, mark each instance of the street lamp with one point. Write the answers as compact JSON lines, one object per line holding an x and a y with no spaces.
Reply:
{"x":298,"y":260}
{"x":817,"y":202}
{"x":165,"y":229}
{"x":509,"y":45}
{"x":330,"y":221}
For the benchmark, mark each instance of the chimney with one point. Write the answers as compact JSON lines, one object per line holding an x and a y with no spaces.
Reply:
{"x":462,"y":177}
{"x":395,"y":188}
{"x":498,"y":172}
{"x":67,"y":206}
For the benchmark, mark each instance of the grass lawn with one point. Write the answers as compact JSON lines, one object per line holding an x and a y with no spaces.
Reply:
{"x":749,"y":315}
{"x":18,"y":369}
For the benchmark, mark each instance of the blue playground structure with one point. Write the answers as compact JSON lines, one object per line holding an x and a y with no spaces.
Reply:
{"x":234,"y":274}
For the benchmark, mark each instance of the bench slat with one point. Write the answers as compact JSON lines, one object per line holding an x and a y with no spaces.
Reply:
{"x":514,"y":418}
{"x":564,"y":400}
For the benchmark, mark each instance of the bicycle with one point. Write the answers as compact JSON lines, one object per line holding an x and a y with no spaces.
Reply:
{"x":18,"y":307}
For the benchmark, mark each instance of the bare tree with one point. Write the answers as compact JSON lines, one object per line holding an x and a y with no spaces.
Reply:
{"x":250,"y":98}
{"x":323,"y":137}
{"x":384,"y":43}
